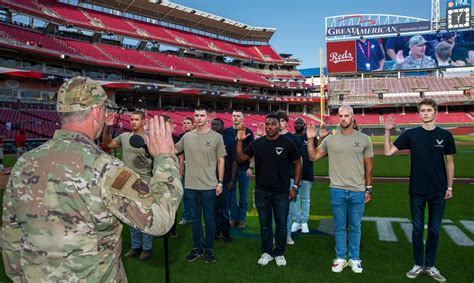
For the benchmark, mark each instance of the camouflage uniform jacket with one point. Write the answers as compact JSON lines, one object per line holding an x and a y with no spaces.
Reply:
{"x":410,"y":63}
{"x":64,"y":207}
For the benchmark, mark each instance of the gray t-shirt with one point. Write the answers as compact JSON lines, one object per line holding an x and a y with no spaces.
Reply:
{"x":202,"y":152}
{"x":346,"y":159}
{"x":134,"y":158}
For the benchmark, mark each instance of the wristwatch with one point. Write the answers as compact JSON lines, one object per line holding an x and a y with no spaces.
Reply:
{"x":368,"y":189}
{"x":219,"y":183}
{"x":295,"y":187}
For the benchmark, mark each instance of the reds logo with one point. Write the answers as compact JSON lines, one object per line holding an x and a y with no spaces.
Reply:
{"x":335,"y":57}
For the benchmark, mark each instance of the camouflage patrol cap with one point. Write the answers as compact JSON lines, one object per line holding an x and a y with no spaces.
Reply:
{"x":80,"y":93}
{"x":416,"y":40}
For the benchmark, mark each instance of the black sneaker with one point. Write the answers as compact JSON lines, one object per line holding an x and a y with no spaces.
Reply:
{"x":195,"y":253}
{"x":227,"y":238}
{"x":210,"y":257}
{"x":132,"y":253}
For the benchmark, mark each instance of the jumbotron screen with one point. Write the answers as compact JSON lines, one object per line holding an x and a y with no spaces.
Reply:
{"x":425,"y":51}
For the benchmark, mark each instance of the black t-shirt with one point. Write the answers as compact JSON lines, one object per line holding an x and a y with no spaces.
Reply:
{"x":427,"y":154}
{"x":308,"y":174}
{"x":296,"y":141}
{"x":231,"y":133}
{"x":229,"y":158}
{"x":272,"y":162}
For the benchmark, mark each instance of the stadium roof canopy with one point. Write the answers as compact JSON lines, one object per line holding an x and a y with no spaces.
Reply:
{"x":189,"y":17}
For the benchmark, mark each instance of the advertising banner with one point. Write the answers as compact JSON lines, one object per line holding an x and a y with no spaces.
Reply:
{"x":369,"y":30}
{"x":341,"y":57}
{"x":425,"y":51}
{"x":458,"y":14}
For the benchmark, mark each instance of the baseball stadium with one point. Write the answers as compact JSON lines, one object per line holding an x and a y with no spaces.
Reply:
{"x":164,"y":58}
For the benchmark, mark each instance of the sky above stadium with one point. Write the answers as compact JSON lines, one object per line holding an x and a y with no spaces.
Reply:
{"x":300,"y":23}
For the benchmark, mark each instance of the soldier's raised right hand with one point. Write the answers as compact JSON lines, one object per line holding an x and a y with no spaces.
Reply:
{"x":159,"y":139}
{"x":400,"y":58}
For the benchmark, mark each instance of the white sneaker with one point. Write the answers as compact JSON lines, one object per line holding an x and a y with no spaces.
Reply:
{"x":304,"y":228}
{"x":415,"y":271}
{"x":295,"y":227}
{"x":435,"y":274}
{"x":264,"y":259}
{"x":338,"y":265}
{"x":356,"y":266}
{"x":280,"y":260}
{"x":289,"y":240}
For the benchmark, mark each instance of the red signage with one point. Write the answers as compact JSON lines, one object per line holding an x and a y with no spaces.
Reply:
{"x":341,"y":57}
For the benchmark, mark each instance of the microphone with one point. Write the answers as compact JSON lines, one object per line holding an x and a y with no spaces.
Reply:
{"x":137,"y":141}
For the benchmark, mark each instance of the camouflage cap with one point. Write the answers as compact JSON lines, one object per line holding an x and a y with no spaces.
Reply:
{"x":80,"y":93}
{"x":416,"y":40}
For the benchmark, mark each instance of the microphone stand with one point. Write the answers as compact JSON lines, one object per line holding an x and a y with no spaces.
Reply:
{"x":165,"y":237}
{"x":120,"y":112}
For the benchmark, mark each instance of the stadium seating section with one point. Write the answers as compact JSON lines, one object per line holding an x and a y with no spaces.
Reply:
{"x":41,"y":124}
{"x":111,"y":55}
{"x":407,"y":118}
{"x":94,"y":20}
{"x":399,"y":90}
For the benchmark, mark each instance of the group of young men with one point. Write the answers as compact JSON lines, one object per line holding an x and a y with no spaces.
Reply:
{"x":147,"y":190}
{"x":283,"y":164}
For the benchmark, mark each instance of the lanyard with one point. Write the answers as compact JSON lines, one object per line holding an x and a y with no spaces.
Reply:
{"x":367,"y":58}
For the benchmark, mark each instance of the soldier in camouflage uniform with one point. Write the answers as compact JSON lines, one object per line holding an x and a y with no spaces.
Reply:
{"x":66,"y":200}
{"x":417,"y":58}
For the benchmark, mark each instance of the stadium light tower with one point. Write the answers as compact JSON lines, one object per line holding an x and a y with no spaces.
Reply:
{"x":435,"y":15}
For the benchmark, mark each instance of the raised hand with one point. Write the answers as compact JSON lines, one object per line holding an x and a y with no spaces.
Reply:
{"x":260,"y":129}
{"x":159,"y":139}
{"x":390,"y":122}
{"x":399,"y":58}
{"x":323,"y":131}
{"x":241,"y":134}
{"x":109,"y":120}
{"x":311,"y":131}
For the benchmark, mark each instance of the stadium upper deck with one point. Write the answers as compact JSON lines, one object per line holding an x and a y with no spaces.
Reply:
{"x":75,"y":16}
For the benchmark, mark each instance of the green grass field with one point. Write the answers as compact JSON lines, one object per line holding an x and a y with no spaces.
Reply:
{"x":309,"y":260}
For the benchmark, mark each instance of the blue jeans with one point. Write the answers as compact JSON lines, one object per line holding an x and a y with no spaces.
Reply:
{"x":239,"y":212}
{"x":141,"y":240}
{"x":345,"y":203}
{"x":222,"y":211}
{"x":202,"y":203}
{"x":186,"y":211}
{"x":299,"y":208}
{"x":270,"y":203}
{"x":436,"y":206}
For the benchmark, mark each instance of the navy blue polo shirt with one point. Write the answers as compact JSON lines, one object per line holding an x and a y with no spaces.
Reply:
{"x":427,"y":153}
{"x":368,"y":52}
